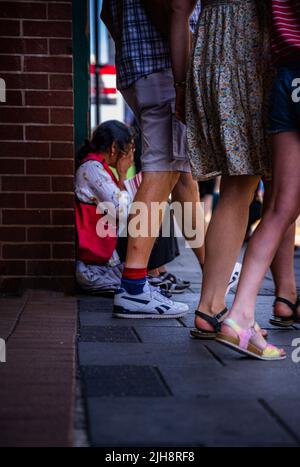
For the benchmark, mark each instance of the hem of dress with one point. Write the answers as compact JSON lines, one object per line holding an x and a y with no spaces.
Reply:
{"x":212,"y":175}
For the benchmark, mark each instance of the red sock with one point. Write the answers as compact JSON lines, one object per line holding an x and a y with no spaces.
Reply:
{"x":134,"y":273}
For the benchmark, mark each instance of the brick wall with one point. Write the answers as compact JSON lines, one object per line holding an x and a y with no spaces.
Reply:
{"x":36,"y":146}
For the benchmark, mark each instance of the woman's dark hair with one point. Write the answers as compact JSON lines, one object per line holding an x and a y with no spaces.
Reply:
{"x":104,"y":136}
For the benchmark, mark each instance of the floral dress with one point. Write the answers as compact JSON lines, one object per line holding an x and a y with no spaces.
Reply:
{"x":228,"y":86}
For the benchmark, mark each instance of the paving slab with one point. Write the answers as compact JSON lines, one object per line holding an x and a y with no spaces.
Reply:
{"x":173,"y":422}
{"x":143,"y":354}
{"x":147,"y":383}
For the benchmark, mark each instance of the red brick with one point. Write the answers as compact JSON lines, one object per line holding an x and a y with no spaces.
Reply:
{"x":25,"y":251}
{"x":11,"y":132}
{"x":21,"y":115}
{"x":24,"y":149}
{"x":14,"y":98}
{"x":12,"y":166}
{"x":50,"y":167}
{"x":25,"y":183}
{"x":57,"y":11}
{"x":12,"y":268}
{"x":23,"y":46}
{"x":25,"y":217}
{"x":65,"y":250}
{"x":52,"y":234}
{"x":52,"y":200}
{"x":47,"y":29}
{"x":63,"y":184}
{"x":63,"y":82}
{"x":12,"y":234}
{"x":49,"y":98}
{"x":63,"y":217}
{"x":51,"y":268}
{"x":12,"y":200}
{"x":23,"y":81}
{"x":62,"y":116}
{"x":61,"y":47}
{"x":9,"y":28}
{"x":65,"y":150}
{"x":32,"y":10}
{"x":10,"y":63}
{"x":49,"y":133}
{"x":48,"y":64}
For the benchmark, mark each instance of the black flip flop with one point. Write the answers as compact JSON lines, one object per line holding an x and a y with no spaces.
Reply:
{"x":214,"y":321}
{"x":286,"y":321}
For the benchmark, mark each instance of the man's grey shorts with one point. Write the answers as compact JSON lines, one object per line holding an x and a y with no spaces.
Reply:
{"x":152,"y":100}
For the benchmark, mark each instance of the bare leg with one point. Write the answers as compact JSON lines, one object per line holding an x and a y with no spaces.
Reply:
{"x":153,"y":272}
{"x":186,"y":190}
{"x":155,"y":187}
{"x":284,"y":209}
{"x":282,"y":266}
{"x":224,"y":240}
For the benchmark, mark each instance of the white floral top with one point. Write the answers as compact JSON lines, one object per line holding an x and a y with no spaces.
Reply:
{"x":94,"y":185}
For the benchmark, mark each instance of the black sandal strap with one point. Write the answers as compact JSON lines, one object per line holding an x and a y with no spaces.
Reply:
{"x":292,"y":306}
{"x":286,"y":302}
{"x":212,"y":320}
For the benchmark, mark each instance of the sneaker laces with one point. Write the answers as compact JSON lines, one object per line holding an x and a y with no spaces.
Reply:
{"x":159,"y":295}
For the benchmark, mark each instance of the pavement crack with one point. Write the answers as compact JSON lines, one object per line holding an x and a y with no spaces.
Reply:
{"x":136,"y":335}
{"x":163,"y":381}
{"x":181,"y":322}
{"x":214,"y":355}
{"x":279,"y":420}
{"x":17,"y":320}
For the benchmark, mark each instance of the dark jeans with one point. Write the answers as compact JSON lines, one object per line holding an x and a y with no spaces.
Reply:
{"x":285,"y":100}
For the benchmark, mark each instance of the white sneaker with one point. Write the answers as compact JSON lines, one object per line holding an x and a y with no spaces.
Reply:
{"x":149,"y":304}
{"x":235,"y":276}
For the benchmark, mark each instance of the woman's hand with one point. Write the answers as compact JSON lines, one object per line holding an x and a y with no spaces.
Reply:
{"x":180,"y":104}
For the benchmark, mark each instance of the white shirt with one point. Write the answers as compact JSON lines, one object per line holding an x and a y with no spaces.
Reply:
{"x":94,"y":185}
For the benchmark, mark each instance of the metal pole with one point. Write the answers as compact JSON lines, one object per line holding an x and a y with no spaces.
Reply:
{"x":97,"y":101}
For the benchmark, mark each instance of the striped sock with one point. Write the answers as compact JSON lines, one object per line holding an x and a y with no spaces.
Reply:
{"x":133,"y":280}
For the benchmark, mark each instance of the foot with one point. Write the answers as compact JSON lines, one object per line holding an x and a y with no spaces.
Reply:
{"x":152,"y":303}
{"x":246,"y":339}
{"x":173,"y":283}
{"x":204,"y":325}
{"x":200,"y":323}
{"x":282,"y":310}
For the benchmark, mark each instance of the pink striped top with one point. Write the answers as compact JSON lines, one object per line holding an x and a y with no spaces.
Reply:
{"x":286,"y":30}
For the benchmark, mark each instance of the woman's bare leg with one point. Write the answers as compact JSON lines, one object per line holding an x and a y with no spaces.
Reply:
{"x":224,"y":239}
{"x":284,"y":210}
{"x":282,"y":267}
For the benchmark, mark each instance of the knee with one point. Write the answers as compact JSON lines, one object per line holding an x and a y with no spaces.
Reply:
{"x":286,"y":211}
{"x":186,"y":182}
{"x":239,"y":191}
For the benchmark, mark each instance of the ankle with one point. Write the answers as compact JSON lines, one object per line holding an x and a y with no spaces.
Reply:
{"x":244,"y":317}
{"x":211,"y":310}
{"x":288,"y":293}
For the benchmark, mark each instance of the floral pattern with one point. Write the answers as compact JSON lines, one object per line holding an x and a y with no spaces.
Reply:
{"x":228,"y":86}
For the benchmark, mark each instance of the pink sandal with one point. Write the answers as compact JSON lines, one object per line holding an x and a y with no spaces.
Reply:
{"x":242,"y":343}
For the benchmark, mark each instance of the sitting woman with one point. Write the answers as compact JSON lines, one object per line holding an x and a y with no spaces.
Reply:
{"x":100,"y":258}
